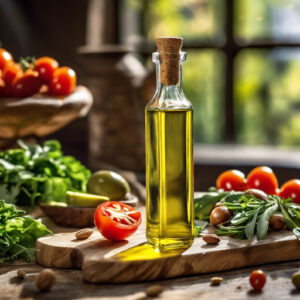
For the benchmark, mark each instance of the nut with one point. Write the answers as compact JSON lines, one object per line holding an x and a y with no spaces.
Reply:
{"x":211,"y":239}
{"x":216,"y":280}
{"x":21,"y":274}
{"x":84,"y":233}
{"x":45,"y":280}
{"x":277,"y":222}
{"x":257,"y":193}
{"x":154,"y":290}
{"x":296,"y":280}
{"x":219,"y":215}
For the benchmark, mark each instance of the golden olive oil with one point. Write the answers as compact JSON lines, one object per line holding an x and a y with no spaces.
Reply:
{"x":169,"y":177}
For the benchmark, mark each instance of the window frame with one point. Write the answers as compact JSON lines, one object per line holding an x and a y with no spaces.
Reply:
{"x":230,"y":47}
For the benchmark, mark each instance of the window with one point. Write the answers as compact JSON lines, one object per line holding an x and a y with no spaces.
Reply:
{"x":243,"y":69}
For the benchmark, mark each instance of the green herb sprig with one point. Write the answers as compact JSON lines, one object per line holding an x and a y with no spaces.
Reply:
{"x":250,"y":215}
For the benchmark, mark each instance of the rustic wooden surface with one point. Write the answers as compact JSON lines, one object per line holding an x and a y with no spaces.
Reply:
{"x":140,"y":262}
{"x":71,"y":286}
{"x":41,"y":115}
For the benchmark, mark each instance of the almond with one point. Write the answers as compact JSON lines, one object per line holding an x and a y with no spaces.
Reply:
{"x":154,"y":290}
{"x":84,"y":233}
{"x":216,"y":280}
{"x":211,"y":239}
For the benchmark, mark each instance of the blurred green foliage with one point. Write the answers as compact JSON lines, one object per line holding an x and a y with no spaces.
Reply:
{"x":267,"y":97}
{"x":253,"y":18}
{"x":189,"y":18}
{"x":203,"y":86}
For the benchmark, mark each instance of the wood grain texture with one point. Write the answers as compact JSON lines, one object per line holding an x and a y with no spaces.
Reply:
{"x":103,"y":261}
{"x":70,"y":285}
{"x":41,"y":115}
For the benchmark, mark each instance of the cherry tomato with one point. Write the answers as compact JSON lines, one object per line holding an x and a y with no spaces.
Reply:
{"x":263,"y":178}
{"x":27,"y":84}
{"x":231,"y":180}
{"x":116,"y":221}
{"x":11,"y":71}
{"x":258,"y":279}
{"x":291,"y":189}
{"x":63,"y":81}
{"x":5,"y":58}
{"x":45,"y":66}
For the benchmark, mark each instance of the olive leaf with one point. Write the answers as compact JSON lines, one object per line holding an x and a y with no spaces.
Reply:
{"x":249,"y":229}
{"x":263,"y":222}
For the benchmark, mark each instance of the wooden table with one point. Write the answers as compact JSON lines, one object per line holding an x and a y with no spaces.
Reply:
{"x":70,"y":285}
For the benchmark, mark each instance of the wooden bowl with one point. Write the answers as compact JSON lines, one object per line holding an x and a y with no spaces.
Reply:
{"x":41,"y":115}
{"x":77,"y":217}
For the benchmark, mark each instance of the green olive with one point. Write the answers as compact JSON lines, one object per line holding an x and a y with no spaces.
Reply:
{"x":109,"y":184}
{"x":296,"y":280}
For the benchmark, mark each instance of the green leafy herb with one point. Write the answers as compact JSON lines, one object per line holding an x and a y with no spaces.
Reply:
{"x":18,"y":233}
{"x":296,"y":232}
{"x":204,"y":204}
{"x":250,"y":215}
{"x":263,"y":222}
{"x":39,"y":173}
{"x":249,"y":229}
{"x":199,"y":226}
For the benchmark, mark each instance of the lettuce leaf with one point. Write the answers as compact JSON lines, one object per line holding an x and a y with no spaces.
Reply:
{"x":18,"y":233}
{"x":39,"y":173}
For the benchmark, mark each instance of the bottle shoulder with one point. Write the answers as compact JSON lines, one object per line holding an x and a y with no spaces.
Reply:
{"x":161,"y":101}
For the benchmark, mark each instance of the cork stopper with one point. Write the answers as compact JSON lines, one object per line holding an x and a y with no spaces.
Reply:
{"x":169,"y":49}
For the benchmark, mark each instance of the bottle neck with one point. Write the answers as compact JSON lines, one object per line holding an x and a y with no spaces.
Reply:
{"x":168,"y":88}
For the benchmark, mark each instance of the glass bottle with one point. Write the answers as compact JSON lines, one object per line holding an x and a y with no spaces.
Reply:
{"x":169,"y":153}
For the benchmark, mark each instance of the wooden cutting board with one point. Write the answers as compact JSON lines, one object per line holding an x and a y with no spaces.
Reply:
{"x":104,"y":261}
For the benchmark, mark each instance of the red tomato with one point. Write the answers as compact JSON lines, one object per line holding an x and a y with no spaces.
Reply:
{"x":63,"y":81}
{"x":231,"y":180}
{"x":11,"y":71}
{"x":291,"y":189}
{"x":5,"y":58}
{"x":45,"y":66}
{"x":258,"y":279}
{"x":27,"y":84}
{"x":263,"y":178}
{"x":116,"y":221}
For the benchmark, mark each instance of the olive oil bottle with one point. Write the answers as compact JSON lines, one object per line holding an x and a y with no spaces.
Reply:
{"x":169,"y":153}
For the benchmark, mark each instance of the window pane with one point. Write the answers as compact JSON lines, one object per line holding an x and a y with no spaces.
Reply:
{"x":203,"y":86}
{"x":189,"y":18}
{"x":268,"y":19}
{"x":267,"y":97}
